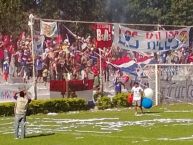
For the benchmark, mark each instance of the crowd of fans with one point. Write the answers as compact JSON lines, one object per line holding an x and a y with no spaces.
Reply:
{"x":65,"y":60}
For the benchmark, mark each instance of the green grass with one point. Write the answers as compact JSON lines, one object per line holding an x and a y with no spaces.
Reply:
{"x":163,"y":125}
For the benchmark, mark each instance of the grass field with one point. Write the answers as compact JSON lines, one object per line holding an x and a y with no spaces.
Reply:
{"x":163,"y":125}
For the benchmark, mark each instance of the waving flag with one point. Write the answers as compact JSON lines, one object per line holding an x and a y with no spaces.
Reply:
{"x":130,"y":66}
{"x":146,"y":60}
{"x":48,"y":29}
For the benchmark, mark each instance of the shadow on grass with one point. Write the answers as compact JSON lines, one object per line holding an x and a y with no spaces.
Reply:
{"x":40,"y":135}
{"x":153,"y":112}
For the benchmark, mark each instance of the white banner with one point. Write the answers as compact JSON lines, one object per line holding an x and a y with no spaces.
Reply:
{"x":150,"y":41}
{"x":39,"y":45}
{"x":49,"y":29}
{"x":7,"y":91}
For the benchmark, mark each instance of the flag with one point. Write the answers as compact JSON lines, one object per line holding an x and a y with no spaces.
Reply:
{"x":39,"y":45}
{"x":49,"y":29}
{"x":103,"y":35}
{"x":146,"y":60}
{"x":126,"y":65}
{"x":130,"y":66}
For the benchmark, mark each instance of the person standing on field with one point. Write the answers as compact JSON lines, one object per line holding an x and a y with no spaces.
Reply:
{"x":20,"y":110}
{"x":137,"y":92}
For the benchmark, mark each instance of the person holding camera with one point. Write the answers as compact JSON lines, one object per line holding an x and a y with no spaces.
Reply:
{"x":20,"y":110}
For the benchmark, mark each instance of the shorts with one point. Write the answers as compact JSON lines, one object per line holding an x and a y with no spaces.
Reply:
{"x":137,"y":103}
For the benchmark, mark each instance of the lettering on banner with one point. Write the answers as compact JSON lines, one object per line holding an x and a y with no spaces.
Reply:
{"x":170,"y":44}
{"x":182,"y":90}
{"x":151,"y":41}
{"x":103,"y":37}
{"x":153,"y":35}
{"x":6,"y":95}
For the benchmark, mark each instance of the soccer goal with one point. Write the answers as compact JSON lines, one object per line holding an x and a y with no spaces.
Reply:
{"x":172,"y":83}
{"x":175,"y":83}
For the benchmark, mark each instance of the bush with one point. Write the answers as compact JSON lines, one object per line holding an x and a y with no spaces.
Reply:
{"x":98,"y":95}
{"x":104,"y":103}
{"x":7,"y":109}
{"x":76,"y":104}
{"x":45,"y":106}
{"x":120,"y":100}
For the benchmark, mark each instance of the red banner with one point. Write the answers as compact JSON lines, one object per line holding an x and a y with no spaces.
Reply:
{"x":73,"y":85}
{"x":58,"y":86}
{"x":79,"y":85}
{"x":104,"y":35}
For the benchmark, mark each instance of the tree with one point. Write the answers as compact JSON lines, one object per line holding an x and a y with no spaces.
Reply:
{"x":14,"y":13}
{"x":12,"y":16}
{"x":181,"y":12}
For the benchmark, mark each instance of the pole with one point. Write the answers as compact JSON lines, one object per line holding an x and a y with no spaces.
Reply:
{"x":101,"y":75}
{"x":156,"y":75}
{"x":156,"y":84}
{"x":126,"y":24}
{"x":31,"y":23}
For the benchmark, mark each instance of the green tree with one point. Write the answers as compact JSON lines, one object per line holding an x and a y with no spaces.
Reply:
{"x":14,"y":13}
{"x":12,"y":17}
{"x":181,"y":12}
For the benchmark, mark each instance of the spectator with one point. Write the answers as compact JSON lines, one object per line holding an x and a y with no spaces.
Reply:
{"x":20,"y":110}
{"x":45,"y":75}
{"x":6,"y":69}
{"x":39,"y":68}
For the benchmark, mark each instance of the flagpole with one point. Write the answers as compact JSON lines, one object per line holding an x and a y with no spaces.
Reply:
{"x":31,"y":23}
{"x":101,"y":75}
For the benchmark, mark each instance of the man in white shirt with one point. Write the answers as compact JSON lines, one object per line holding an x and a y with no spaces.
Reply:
{"x":20,"y":110}
{"x":137,"y":96}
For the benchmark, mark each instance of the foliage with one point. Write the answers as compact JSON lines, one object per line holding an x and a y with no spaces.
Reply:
{"x":45,"y":106}
{"x":6,"y":109}
{"x":14,"y":13}
{"x":13,"y":19}
{"x":120,"y":100}
{"x":104,"y":103}
{"x":98,"y":95}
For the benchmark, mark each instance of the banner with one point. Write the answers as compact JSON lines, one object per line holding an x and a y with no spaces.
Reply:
{"x":58,"y":85}
{"x":7,"y":91}
{"x":39,"y":45}
{"x":104,"y":35}
{"x":49,"y":29}
{"x":73,"y":85}
{"x":150,"y":41}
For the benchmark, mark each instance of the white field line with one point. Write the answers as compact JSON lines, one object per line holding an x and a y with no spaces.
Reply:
{"x":145,"y":139}
{"x":98,"y":132}
{"x":104,"y":125}
{"x":178,"y":111}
